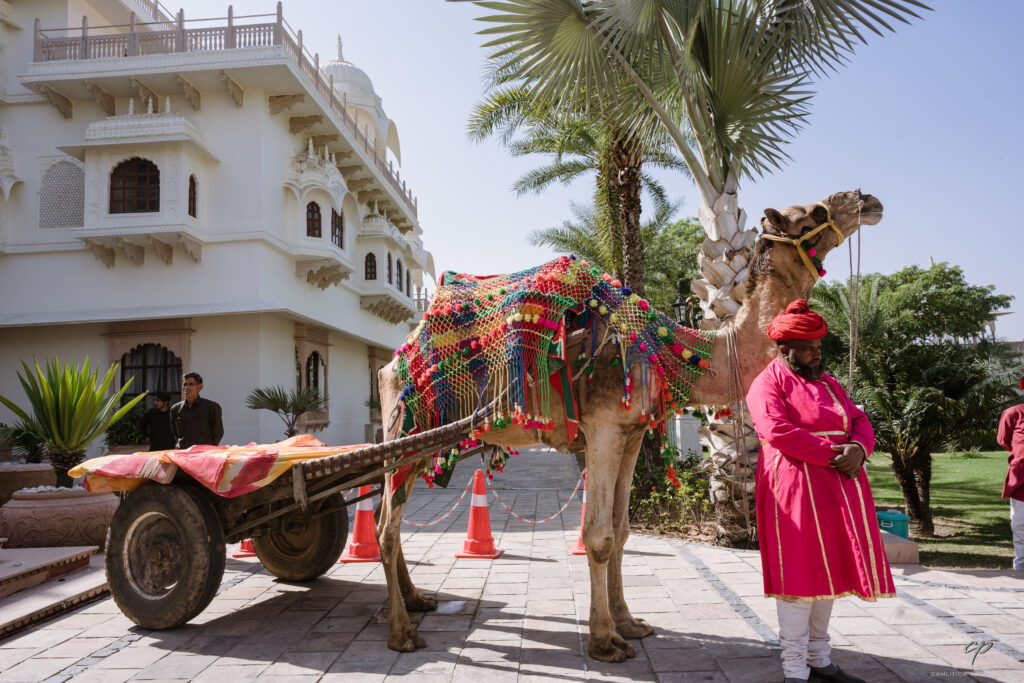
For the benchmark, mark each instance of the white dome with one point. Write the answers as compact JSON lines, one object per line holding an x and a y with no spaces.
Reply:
{"x":348,"y":77}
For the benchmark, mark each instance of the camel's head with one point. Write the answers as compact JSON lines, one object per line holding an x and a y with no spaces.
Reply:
{"x":812,"y":228}
{"x":847,"y":210}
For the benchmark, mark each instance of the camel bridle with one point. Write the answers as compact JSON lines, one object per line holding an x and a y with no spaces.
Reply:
{"x":799,"y":242}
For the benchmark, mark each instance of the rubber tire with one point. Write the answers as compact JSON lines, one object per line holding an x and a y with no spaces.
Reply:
{"x":308,"y":553}
{"x":176,"y":521}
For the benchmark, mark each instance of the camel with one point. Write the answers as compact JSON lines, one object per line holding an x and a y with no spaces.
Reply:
{"x":611,"y":437}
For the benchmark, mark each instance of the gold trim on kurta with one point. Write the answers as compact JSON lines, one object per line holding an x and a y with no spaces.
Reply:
{"x":804,"y":598}
{"x":834,"y":432}
{"x":778,"y":536}
{"x":817,"y":525}
{"x":867,"y":532}
{"x":846,"y":419}
{"x":856,"y":536}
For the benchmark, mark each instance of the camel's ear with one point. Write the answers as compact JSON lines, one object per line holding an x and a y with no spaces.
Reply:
{"x":819,"y":214}
{"x":776,"y":220}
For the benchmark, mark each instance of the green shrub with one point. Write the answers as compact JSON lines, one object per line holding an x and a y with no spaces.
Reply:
{"x":126,"y":431}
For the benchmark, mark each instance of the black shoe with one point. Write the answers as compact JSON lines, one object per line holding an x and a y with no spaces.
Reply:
{"x":833,"y":674}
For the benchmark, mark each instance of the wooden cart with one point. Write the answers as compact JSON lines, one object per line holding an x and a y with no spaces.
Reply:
{"x":165,"y":550}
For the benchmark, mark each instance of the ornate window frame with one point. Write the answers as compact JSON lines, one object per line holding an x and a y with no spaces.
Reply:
{"x":174,"y":334}
{"x":311,"y":345}
{"x":131,"y":180}
{"x":313,"y":220}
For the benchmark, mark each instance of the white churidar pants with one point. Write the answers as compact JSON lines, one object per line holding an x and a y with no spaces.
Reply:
{"x":803,"y":635}
{"x":1017,"y":527}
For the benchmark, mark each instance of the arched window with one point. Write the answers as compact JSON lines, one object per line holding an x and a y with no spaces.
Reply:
{"x":313,"y":374}
{"x":398,"y":272}
{"x":408,"y":284}
{"x":371,"y":267}
{"x":390,"y":277}
{"x":151,"y":367}
{"x":312,"y":220}
{"x":337,"y":229}
{"x":192,"y":192}
{"x":135,"y":187}
{"x":62,"y":196}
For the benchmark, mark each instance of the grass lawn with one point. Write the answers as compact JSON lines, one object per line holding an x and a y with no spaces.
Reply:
{"x":972,"y":523}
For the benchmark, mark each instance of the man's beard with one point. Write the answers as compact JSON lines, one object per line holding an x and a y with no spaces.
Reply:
{"x":811,"y":372}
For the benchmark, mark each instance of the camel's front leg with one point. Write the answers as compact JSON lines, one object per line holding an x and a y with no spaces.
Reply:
{"x":401,"y":635}
{"x":415,"y":601}
{"x":626,"y":624}
{"x":604,"y":451}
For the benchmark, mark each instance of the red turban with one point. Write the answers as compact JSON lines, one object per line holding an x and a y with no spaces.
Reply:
{"x":798,"y":322}
{"x":1022,"y":382}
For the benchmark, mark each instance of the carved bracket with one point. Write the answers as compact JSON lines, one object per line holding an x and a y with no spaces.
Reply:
{"x":102,"y":252}
{"x":145,"y":93}
{"x":297,"y":124}
{"x":102,"y":97}
{"x":136,"y":253}
{"x":165,"y":250}
{"x":322,"y":272}
{"x":234,"y":89}
{"x":60,"y":102}
{"x":279,"y":103}
{"x":193,"y":248}
{"x":320,"y":140}
{"x":189,"y":91}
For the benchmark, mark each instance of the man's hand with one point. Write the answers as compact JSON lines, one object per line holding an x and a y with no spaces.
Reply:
{"x":849,"y":459}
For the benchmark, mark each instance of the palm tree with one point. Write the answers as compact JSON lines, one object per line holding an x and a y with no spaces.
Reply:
{"x":289,"y":405}
{"x":580,"y":142}
{"x":727,"y":82}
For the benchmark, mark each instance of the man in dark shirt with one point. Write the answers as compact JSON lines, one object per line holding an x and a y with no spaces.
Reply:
{"x":196,"y":421}
{"x":156,"y":423}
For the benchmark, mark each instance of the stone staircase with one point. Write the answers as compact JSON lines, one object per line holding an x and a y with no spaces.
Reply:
{"x":36,"y":583}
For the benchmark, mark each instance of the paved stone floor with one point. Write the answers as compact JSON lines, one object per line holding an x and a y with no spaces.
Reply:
{"x":523,"y":617}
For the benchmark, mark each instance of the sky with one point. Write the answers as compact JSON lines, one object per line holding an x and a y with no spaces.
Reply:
{"x":923,"y":118}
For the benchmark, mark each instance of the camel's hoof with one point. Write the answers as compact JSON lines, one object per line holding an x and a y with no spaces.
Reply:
{"x":421,"y":603}
{"x":609,"y":648}
{"x":407,"y":641}
{"x":634,"y":628}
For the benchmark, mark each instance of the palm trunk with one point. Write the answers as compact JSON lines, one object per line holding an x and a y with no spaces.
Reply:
{"x":908,"y":471}
{"x":625,"y":172}
{"x":732,"y":441}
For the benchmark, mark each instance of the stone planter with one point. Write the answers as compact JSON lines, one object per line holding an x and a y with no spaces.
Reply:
{"x":53,"y":518}
{"x":14,"y":476}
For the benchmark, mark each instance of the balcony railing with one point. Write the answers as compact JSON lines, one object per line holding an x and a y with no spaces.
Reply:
{"x":153,"y":39}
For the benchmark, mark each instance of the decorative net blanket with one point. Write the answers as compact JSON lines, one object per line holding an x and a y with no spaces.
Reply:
{"x":500,"y":339}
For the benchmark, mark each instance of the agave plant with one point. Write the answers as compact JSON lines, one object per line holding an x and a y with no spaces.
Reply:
{"x":69,"y":409}
{"x":289,"y":405}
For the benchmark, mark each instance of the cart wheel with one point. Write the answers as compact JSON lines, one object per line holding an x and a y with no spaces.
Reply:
{"x":165,"y":555}
{"x":300,"y":548}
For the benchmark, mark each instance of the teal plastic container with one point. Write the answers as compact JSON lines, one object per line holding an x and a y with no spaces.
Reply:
{"x":893,"y":521}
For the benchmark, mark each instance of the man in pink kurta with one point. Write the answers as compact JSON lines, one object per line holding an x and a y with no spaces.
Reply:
{"x":1011,"y":437}
{"x":816,"y":521}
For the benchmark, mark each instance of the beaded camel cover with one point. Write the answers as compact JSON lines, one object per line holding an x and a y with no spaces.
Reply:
{"x":499,"y":340}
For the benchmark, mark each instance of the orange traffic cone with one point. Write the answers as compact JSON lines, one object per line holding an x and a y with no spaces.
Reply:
{"x":245,"y":549}
{"x":581,"y":549}
{"x":363,"y":547}
{"x":479,"y":542}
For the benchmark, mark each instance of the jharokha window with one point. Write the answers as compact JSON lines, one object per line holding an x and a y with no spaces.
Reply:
{"x":337,"y":229}
{"x":312,"y":220}
{"x":398,"y":272}
{"x":135,"y":187}
{"x":408,"y":284}
{"x":371,"y":267}
{"x":391,"y":278}
{"x":192,"y":196}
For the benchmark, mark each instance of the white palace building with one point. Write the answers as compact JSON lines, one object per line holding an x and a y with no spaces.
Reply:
{"x":204,"y":196}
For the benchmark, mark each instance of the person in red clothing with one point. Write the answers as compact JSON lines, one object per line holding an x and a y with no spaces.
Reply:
{"x":816,"y":525}
{"x":1011,"y":437}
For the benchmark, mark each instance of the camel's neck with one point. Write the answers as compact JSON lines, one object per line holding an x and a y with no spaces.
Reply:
{"x":753,"y":349}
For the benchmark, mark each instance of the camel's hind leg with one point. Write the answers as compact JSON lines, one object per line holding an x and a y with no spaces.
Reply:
{"x":401,"y":635}
{"x":604,"y":453}
{"x":626,"y":624}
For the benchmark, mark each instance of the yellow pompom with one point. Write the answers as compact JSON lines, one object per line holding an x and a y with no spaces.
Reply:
{"x":633,"y":298}
{"x":593,"y":303}
{"x":662,"y":332}
{"x":687,"y":353}
{"x":603,"y":310}
{"x":518,"y":317}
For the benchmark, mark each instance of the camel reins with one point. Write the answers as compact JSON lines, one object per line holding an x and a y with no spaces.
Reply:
{"x":798,"y":243}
